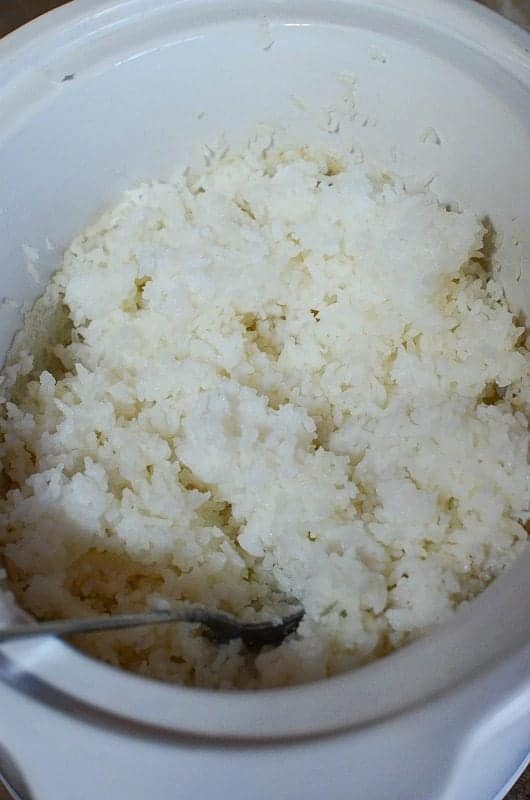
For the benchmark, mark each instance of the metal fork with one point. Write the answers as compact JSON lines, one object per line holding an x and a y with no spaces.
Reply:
{"x":222,"y":627}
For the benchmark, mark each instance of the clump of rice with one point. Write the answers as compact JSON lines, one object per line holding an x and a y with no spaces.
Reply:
{"x":284,"y":374}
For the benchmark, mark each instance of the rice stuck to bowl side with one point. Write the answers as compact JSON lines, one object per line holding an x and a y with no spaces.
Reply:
{"x":282,"y":374}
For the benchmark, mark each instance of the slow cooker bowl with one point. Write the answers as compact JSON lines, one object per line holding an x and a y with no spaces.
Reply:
{"x":100,"y":95}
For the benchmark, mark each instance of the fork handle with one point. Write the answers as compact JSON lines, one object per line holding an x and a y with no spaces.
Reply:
{"x":65,"y":627}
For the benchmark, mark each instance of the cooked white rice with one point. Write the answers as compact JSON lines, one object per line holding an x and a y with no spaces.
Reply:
{"x":284,"y":375}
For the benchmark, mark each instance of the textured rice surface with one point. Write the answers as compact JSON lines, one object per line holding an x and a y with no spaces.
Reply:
{"x":283,"y":374}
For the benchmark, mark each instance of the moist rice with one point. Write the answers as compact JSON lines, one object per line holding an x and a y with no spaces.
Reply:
{"x":282,"y":374}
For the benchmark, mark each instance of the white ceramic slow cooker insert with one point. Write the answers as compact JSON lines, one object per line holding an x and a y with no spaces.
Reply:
{"x":102,"y":94}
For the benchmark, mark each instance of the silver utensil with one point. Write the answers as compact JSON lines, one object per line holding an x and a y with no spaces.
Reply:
{"x":222,"y":627}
